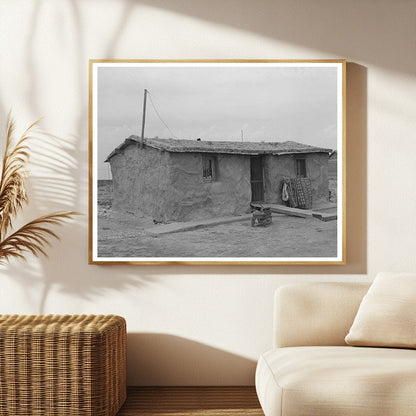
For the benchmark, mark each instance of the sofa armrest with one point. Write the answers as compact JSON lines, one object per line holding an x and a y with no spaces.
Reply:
{"x":309,"y":314}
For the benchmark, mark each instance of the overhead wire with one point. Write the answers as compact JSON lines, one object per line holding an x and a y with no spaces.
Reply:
{"x":160,"y":118}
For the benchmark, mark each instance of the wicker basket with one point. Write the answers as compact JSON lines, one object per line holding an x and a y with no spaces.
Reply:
{"x":54,"y":365}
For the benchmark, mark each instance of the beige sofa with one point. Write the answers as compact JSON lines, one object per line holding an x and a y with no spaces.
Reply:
{"x":312,"y":371}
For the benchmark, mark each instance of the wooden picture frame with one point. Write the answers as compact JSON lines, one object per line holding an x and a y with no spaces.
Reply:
{"x":217,"y":162}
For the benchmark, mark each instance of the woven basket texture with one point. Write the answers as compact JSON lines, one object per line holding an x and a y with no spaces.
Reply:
{"x":56,"y":365}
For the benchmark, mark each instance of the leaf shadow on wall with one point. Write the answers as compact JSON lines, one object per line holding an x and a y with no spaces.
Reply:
{"x":60,"y":181}
{"x":164,"y":359}
{"x":53,"y":187}
{"x":332,"y":27}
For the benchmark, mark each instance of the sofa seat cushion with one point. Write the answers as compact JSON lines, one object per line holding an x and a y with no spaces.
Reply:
{"x":305,"y":381}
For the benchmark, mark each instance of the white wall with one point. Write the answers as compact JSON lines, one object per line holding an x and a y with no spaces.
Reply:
{"x":189,"y":324}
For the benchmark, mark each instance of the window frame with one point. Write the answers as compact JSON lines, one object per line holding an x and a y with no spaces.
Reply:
{"x":305,"y":167}
{"x":213,"y":167}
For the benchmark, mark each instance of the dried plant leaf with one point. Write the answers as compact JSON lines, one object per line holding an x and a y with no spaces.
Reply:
{"x":12,"y":183}
{"x":33,"y":237}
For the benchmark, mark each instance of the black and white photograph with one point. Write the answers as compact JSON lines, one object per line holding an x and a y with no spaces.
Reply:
{"x":217,"y":162}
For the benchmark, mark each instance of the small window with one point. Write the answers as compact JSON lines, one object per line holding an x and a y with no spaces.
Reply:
{"x":208,"y":168}
{"x":301,"y":168}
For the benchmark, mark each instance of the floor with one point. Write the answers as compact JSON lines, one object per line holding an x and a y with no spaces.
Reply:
{"x":187,"y":401}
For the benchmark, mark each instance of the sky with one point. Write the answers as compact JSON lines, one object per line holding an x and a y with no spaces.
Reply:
{"x":231,"y":103}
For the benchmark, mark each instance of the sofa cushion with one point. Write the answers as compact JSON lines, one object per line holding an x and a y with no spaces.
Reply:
{"x":315,"y":314}
{"x":387,"y":314}
{"x":342,"y":381}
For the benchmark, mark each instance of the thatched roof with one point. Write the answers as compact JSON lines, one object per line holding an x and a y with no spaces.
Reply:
{"x":239,"y":148}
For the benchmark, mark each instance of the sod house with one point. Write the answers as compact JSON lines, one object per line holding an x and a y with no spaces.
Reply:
{"x":180,"y":180}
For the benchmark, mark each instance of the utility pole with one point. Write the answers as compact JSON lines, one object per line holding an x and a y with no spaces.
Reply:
{"x":144,"y":117}
{"x":242,"y":136}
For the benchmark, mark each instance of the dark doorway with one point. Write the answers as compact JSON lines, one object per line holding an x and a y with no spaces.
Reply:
{"x":256,"y":178}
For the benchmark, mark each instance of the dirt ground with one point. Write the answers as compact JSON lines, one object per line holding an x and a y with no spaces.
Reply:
{"x":124,"y":235}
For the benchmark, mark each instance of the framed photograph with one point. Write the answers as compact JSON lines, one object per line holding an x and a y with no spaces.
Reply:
{"x":208,"y":162}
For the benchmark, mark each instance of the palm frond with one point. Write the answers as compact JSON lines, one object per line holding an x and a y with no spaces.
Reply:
{"x":33,"y":237}
{"x":12,"y":183}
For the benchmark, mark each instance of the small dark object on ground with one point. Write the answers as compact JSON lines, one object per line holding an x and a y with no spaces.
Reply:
{"x":261,"y":217}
